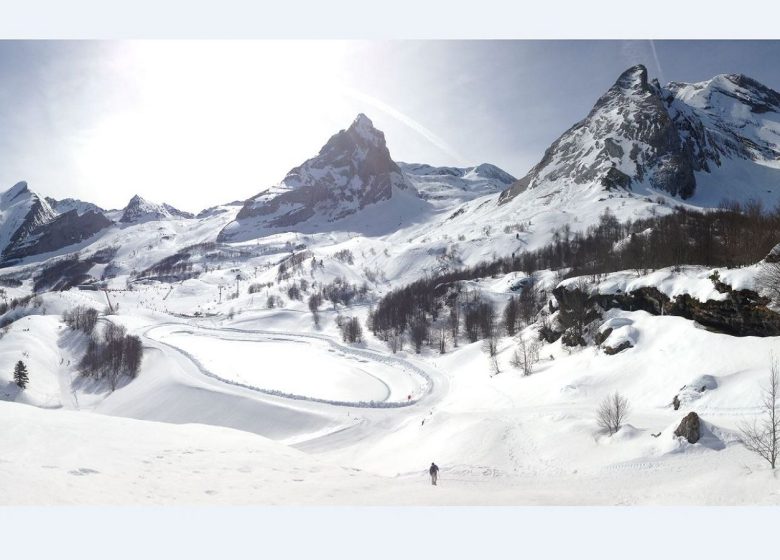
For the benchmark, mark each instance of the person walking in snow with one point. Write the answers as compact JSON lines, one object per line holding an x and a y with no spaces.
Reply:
{"x":434,"y":472}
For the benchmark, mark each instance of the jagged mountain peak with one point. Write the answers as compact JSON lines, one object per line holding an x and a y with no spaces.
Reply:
{"x":632,"y":80}
{"x":21,"y":212}
{"x":19,"y":188}
{"x":139,"y":209}
{"x":365,"y":130}
{"x":641,"y":137}
{"x":352,"y":171}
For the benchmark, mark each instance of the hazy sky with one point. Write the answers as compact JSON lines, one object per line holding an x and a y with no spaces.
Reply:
{"x":199,"y":123}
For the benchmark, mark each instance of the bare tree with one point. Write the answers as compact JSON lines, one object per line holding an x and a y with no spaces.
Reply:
{"x":525,"y":356}
{"x":762,"y":437}
{"x":490,"y":345}
{"x":612,"y":412}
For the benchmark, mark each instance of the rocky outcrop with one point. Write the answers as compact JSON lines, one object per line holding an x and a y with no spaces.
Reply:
{"x":624,"y":345}
{"x":689,"y":428}
{"x":741,"y":313}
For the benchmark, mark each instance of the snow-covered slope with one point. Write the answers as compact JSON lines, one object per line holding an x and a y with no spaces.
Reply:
{"x":456,"y":184}
{"x":68,"y":204}
{"x":220,"y":303}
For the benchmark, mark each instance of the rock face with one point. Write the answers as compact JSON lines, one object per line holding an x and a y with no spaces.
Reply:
{"x":353,"y":170}
{"x":624,"y":345}
{"x":689,"y":428}
{"x":21,"y":212}
{"x":66,"y":229}
{"x":742,"y":313}
{"x":639,"y":134}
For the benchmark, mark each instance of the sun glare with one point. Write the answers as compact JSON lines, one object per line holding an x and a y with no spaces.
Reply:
{"x":205,"y":113}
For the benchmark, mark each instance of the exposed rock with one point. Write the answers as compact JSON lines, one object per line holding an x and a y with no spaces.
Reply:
{"x":66,"y":229}
{"x":601,"y":336}
{"x":774,"y":254}
{"x":676,"y":402}
{"x":570,"y":338}
{"x":689,"y":428}
{"x":625,"y":345}
{"x":741,"y":313}
{"x":548,"y":334}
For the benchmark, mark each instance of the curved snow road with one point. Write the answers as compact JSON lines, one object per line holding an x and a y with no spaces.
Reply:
{"x":350,"y":423}
{"x":261,"y":336}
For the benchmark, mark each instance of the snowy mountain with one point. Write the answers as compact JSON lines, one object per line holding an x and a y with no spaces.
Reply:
{"x":141,"y":210}
{"x":246,"y":344}
{"x":352,"y":172}
{"x":456,"y":184}
{"x":21,"y":212}
{"x":683,"y":140}
{"x":68,"y":204}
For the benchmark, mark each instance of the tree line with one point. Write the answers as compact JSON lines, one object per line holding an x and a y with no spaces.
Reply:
{"x":421,"y":312}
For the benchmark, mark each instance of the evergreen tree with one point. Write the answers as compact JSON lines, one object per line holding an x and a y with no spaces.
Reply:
{"x":20,"y":374}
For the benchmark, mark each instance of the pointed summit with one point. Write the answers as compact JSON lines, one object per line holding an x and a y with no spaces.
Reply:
{"x":633,"y":80}
{"x":353,"y":170}
{"x":627,"y":141}
{"x":16,"y":190}
{"x":141,"y":210}
{"x":364,"y":129}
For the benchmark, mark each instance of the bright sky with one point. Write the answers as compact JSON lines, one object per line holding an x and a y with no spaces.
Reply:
{"x":201,"y":123}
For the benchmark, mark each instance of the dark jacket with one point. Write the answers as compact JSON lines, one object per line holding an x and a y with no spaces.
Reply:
{"x":434,"y":469}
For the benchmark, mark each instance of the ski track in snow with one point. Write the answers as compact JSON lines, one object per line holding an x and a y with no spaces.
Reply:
{"x":274,"y":335}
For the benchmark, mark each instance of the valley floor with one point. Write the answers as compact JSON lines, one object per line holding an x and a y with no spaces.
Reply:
{"x":255,"y":411}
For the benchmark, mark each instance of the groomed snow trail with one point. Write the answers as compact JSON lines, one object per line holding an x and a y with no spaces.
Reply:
{"x":311,"y":423}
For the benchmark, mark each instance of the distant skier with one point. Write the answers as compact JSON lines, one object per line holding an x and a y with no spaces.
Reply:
{"x":434,"y":472}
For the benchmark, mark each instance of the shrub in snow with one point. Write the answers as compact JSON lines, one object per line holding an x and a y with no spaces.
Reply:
{"x":345,"y":256}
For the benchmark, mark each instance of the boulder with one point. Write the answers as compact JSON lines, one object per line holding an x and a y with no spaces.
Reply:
{"x":689,"y":428}
{"x":602,"y":335}
{"x":625,"y":345}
